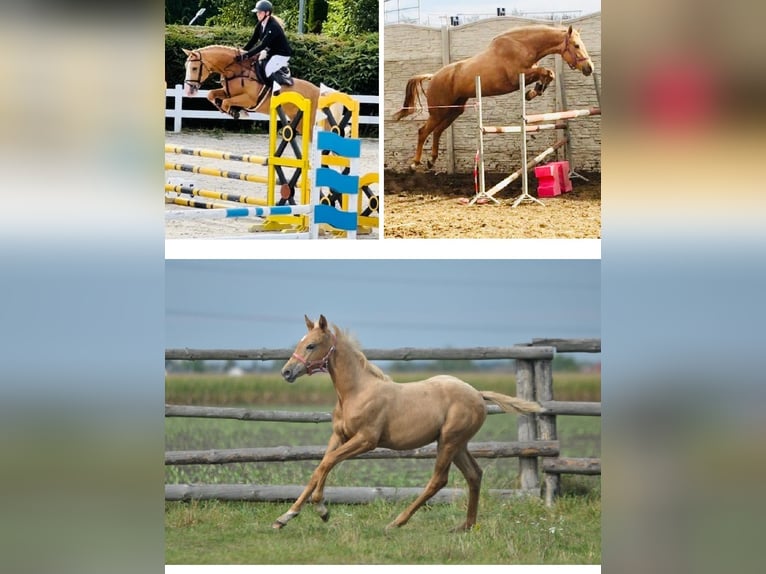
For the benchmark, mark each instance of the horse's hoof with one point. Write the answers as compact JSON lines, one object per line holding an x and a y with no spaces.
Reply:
{"x":391,"y":526}
{"x":323,"y":511}
{"x":277,"y":525}
{"x":530,"y":94}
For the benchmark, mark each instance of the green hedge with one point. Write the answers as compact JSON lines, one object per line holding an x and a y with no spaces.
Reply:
{"x":350,"y":65}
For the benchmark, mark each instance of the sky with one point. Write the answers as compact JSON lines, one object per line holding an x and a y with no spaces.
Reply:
{"x":240,"y":304}
{"x":431,"y":10}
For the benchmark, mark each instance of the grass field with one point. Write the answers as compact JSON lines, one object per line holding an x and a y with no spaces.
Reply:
{"x":519,"y":531}
{"x":269,"y":388}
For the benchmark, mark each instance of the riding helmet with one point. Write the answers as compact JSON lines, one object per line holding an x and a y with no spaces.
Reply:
{"x":263,"y":6}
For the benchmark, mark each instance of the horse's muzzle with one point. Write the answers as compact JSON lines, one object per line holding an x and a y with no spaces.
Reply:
{"x":587,"y":69}
{"x":289,"y":374}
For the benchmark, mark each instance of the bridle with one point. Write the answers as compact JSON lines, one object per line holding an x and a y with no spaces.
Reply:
{"x":322,"y":364}
{"x":198,"y":82}
{"x":573,"y":53}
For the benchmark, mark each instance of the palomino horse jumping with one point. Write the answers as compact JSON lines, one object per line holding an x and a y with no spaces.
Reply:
{"x":499,"y":66}
{"x":241,"y":89}
{"x":373,"y":411}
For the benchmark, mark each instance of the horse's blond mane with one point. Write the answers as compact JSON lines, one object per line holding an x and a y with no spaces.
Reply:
{"x":219,"y":46}
{"x":344,"y":337}
{"x":539,"y":28}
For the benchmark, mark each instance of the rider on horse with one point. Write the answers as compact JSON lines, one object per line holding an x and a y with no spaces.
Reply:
{"x":270,"y":43}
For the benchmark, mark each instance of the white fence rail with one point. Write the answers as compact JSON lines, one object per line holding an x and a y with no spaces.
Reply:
{"x":178,"y":113}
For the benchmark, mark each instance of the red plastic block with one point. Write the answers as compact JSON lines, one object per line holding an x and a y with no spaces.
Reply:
{"x":564,"y":181}
{"x":548,"y":184}
{"x":548,"y":190}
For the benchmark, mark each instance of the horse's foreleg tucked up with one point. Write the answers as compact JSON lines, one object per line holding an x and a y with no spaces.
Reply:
{"x":235,"y":106}
{"x":542,"y":78}
{"x":216,"y":97}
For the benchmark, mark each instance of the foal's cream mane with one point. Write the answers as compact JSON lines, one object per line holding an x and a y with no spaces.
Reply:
{"x":344,"y":337}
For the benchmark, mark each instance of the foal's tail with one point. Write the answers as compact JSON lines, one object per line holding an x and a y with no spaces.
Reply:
{"x":510,"y":404}
{"x":414,"y":89}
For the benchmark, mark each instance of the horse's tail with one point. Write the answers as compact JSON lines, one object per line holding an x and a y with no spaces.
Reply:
{"x":413,"y":90}
{"x":510,"y":404}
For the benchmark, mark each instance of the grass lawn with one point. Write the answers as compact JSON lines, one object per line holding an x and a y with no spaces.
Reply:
{"x":508,"y":532}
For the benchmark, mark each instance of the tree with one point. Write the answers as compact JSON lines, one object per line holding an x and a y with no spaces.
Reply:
{"x":563,"y":363}
{"x":351,"y":17}
{"x":198,"y":366}
{"x":238,"y":13}
{"x":317,"y":15}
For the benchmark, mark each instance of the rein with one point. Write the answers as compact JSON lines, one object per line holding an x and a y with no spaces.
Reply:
{"x":244,"y":75}
{"x":322,"y":364}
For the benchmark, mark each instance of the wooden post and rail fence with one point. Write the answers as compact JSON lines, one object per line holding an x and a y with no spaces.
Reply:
{"x":537,"y":434}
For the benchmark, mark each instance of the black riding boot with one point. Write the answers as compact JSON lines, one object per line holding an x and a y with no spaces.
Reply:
{"x":282,"y":77}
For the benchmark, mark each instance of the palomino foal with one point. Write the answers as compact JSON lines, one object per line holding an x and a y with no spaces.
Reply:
{"x":373,"y":411}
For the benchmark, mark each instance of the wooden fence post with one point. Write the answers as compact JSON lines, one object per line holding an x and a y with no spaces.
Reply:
{"x":546,"y":425}
{"x":525,"y":389}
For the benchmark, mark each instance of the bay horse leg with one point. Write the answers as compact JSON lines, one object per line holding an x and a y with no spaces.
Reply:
{"x":356,"y":445}
{"x":444,"y":455}
{"x":472,"y":473}
{"x":449,"y":118}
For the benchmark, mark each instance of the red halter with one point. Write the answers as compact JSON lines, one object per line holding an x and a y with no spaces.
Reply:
{"x":319,"y":366}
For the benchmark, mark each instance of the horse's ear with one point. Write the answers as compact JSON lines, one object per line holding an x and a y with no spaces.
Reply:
{"x":309,"y":322}
{"x":569,"y":32}
{"x":187,"y":52}
{"x":322,"y":323}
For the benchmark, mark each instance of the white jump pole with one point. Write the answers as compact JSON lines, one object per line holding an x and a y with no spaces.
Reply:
{"x":481,"y":145}
{"x":524,"y":176}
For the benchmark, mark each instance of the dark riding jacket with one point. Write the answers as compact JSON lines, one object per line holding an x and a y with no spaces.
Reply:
{"x":271,"y":38}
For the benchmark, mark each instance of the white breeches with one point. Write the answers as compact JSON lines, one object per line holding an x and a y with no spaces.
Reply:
{"x":276,"y":62}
